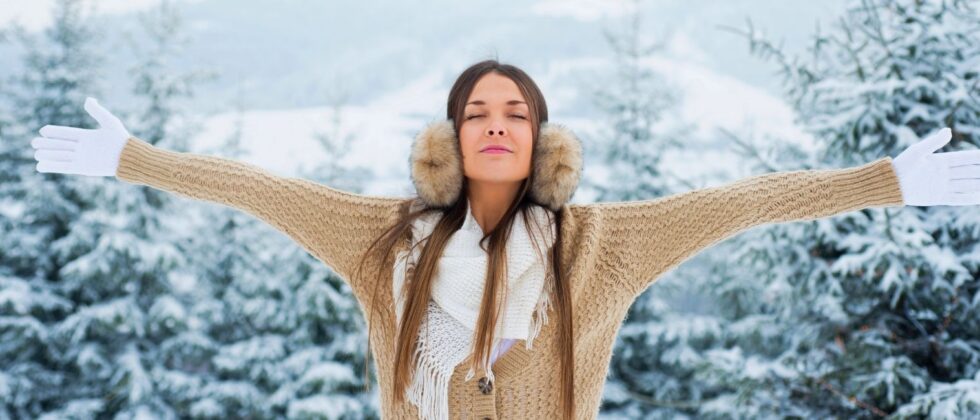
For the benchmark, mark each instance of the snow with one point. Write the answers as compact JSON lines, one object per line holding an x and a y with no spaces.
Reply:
{"x":326,"y":406}
{"x":328,"y":375}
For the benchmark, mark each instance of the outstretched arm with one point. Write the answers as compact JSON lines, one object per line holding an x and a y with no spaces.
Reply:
{"x":333,"y":225}
{"x":649,"y":237}
{"x":646,"y":238}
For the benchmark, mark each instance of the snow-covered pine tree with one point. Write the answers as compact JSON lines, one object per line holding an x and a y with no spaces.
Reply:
{"x":6,"y":119}
{"x":121,"y":291}
{"x":331,"y":320}
{"x":650,"y":372}
{"x":94,"y":259}
{"x":872,"y":312}
{"x":634,"y":98}
{"x":222,"y":288}
{"x":137,"y":252}
{"x":280,"y":334}
{"x":41,"y":293}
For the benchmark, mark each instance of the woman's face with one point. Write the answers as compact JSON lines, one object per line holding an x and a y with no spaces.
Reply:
{"x":496,"y":115}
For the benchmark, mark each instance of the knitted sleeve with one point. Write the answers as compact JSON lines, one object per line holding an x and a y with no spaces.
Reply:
{"x":642,"y":239}
{"x":333,"y":225}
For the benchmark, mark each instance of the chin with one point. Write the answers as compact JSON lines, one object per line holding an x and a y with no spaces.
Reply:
{"x":497,"y":178}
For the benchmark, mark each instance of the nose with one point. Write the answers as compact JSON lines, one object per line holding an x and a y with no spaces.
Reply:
{"x":495,"y":129}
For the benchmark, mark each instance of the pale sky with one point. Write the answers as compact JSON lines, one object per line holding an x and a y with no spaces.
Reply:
{"x":36,"y":14}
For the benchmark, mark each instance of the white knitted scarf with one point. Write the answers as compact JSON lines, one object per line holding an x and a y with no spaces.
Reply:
{"x":446,"y":334}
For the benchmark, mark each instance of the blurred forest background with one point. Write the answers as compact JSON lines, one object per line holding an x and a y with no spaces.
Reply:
{"x":125,"y":302}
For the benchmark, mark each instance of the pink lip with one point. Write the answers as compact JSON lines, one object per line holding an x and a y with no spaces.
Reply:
{"x":495,"y":149}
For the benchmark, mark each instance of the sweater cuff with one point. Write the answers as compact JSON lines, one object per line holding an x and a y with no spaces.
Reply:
{"x":874,"y":184}
{"x":142,"y":163}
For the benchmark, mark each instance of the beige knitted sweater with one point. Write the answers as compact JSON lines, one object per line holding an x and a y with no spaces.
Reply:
{"x":613,"y":251}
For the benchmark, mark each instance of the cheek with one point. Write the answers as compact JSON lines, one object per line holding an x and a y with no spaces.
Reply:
{"x":468,"y":139}
{"x":526,"y":146}
{"x":524,"y":140}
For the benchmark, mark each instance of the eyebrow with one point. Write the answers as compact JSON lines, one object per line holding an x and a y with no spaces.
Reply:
{"x":510,"y":102}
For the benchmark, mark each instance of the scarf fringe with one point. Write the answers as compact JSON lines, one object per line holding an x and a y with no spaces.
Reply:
{"x":430,"y":384}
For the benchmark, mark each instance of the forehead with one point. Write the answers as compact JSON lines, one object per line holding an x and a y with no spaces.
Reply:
{"x":494,"y":89}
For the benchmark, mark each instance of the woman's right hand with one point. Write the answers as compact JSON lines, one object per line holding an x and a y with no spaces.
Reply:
{"x":82,"y":151}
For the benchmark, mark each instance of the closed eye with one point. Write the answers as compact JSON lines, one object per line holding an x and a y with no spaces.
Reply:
{"x":470,"y":117}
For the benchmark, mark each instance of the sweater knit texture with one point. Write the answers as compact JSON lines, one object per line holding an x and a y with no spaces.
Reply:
{"x":611,"y":251}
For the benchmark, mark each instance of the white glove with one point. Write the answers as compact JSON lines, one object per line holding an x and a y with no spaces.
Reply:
{"x":930,"y":179}
{"x":80,"y":151}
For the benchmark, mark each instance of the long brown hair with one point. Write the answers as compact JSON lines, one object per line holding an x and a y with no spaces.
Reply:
{"x":418,"y":284}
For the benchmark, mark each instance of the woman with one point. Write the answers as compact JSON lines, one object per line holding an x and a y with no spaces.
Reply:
{"x":454,"y":276}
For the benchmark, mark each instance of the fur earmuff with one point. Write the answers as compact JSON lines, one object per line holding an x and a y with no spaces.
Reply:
{"x":437,"y":165}
{"x":557,"y":166}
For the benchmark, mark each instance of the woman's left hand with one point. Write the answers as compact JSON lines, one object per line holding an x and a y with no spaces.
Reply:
{"x":931,"y":179}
